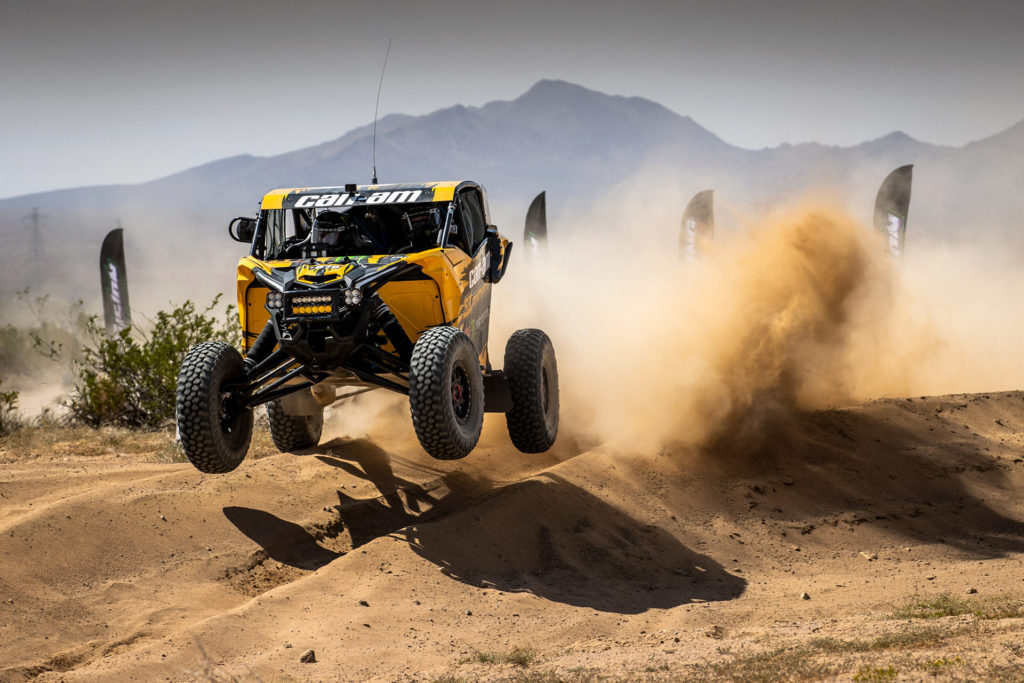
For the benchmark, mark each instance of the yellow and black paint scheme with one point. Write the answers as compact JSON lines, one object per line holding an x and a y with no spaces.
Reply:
{"x":438,"y":285}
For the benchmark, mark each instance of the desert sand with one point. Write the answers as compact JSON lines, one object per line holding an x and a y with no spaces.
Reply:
{"x":579,"y":564}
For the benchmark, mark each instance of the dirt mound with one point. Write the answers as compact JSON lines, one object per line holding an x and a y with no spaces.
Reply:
{"x":116,"y":568}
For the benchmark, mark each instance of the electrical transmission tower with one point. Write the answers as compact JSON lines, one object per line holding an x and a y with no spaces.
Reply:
{"x":34,"y":221}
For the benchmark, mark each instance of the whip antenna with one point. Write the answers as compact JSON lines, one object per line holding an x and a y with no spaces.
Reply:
{"x":376,"y":108}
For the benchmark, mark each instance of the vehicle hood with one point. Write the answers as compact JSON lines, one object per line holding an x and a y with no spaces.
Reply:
{"x":327,"y":271}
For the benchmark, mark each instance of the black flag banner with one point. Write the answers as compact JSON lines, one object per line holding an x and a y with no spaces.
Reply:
{"x":698,"y":230}
{"x":535,"y":235}
{"x":114,"y":281}
{"x":892,"y":206}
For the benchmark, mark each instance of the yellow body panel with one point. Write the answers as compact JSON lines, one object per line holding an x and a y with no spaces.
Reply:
{"x":274,"y":199}
{"x":252,"y":297}
{"x":437,"y":264}
{"x":415,"y":303}
{"x":445,"y":193}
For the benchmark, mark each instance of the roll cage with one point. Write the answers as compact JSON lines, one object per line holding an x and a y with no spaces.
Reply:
{"x":376,"y":229}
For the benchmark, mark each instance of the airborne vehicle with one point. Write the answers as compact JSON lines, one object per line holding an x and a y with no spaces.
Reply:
{"x":347,"y":289}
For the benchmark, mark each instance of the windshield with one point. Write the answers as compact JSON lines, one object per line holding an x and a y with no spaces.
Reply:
{"x":359,"y":230}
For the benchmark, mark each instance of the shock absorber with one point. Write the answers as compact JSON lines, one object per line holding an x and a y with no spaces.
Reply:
{"x":263,"y":345}
{"x":391,"y":327}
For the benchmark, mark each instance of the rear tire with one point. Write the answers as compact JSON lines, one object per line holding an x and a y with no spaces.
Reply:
{"x":294,"y":432}
{"x":215,"y":434}
{"x":532,"y":375}
{"x":446,"y":393}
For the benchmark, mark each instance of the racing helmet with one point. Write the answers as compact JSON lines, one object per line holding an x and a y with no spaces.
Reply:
{"x":329,"y":222}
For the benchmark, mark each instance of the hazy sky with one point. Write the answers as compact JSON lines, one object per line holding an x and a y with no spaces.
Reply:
{"x":126,"y":91}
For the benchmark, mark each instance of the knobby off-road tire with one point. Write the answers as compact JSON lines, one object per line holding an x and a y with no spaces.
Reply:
{"x":294,"y":432}
{"x":214,"y":434}
{"x":532,"y":376}
{"x":446,"y":393}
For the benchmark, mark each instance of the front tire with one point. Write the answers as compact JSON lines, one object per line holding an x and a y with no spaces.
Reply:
{"x":215,"y":431}
{"x":446,"y":393}
{"x":532,"y":375}
{"x":294,"y":432}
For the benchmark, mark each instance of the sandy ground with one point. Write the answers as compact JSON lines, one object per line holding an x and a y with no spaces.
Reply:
{"x":579,"y":564}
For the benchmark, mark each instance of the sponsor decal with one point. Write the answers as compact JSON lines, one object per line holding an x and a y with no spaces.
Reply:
{"x":115,"y":293}
{"x":325,"y":200}
{"x":894,"y":225}
{"x":476,"y":273}
{"x":321,"y":270}
{"x":691,"y":237}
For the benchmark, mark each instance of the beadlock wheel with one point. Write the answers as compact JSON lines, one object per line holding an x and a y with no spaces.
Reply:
{"x":532,"y":375}
{"x":446,"y":393}
{"x":294,"y":432}
{"x":215,"y":429}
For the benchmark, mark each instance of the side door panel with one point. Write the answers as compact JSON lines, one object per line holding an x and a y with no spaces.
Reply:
{"x":475,"y":306}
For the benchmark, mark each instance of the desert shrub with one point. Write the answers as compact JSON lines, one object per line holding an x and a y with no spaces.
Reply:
{"x":48,"y":332}
{"x":8,"y":404}
{"x":129,"y":379}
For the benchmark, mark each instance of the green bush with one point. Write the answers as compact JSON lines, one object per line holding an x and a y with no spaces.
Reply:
{"x":129,"y":380}
{"x":48,"y":333}
{"x":8,"y":404}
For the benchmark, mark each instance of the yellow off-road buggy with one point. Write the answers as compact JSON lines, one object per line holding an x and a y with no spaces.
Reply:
{"x":347,"y":289}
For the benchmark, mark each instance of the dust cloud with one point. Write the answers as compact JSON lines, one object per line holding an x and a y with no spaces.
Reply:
{"x":799,"y":309}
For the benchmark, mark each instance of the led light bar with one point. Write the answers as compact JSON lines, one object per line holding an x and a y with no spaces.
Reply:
{"x":311,"y":304}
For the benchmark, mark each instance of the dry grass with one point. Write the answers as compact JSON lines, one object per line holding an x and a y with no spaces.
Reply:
{"x":49,"y":438}
{"x":896,"y":640}
{"x":940,"y":664}
{"x":868,"y":673}
{"x":947,"y":605}
{"x":780,"y":664}
{"x":825,"y":657}
{"x":520,"y":656}
{"x":45,"y":438}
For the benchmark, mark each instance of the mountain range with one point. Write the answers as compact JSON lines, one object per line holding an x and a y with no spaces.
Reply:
{"x":575,"y":143}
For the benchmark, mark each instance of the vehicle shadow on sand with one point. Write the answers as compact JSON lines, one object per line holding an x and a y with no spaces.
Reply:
{"x":401,"y":501}
{"x":542,"y":535}
{"x":359,"y":520}
{"x":551,"y":538}
{"x":283,"y":541}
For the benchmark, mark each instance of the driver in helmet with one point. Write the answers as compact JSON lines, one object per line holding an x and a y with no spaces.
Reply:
{"x":339,"y":233}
